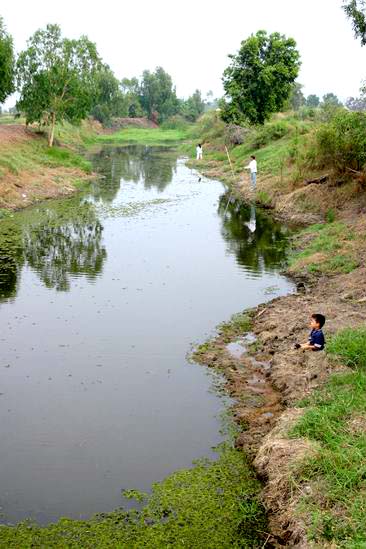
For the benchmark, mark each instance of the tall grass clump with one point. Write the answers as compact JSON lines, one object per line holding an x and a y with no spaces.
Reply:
{"x":349,"y":346}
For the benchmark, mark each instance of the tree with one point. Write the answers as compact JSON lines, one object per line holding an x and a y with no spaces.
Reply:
{"x":330,"y":100}
{"x":6,"y":63}
{"x":130,"y":88}
{"x":356,"y":11}
{"x":157,"y":94}
{"x":296,"y":99}
{"x":108,"y":99}
{"x":56,"y":78}
{"x":193,"y":107}
{"x":260,"y":78}
{"x":312,"y":101}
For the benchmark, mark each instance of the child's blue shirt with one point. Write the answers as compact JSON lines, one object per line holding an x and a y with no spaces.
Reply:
{"x":316,"y":338}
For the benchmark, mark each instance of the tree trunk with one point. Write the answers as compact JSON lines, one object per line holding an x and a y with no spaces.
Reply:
{"x":51,"y":135}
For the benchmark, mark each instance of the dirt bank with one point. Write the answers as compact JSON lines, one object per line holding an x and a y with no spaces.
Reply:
{"x":271,"y":377}
{"x":30,"y":172}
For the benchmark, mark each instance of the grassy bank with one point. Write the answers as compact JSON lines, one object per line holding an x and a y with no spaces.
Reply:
{"x":291,"y":149}
{"x":31,"y":171}
{"x":334,"y":504}
{"x":329,"y":248}
{"x":214,"y":504}
{"x":146,"y":136}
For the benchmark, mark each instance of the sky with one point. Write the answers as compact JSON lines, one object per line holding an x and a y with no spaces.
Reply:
{"x":192,"y":39}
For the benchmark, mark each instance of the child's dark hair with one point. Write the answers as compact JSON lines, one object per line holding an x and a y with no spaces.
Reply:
{"x":253,"y":157}
{"x":320,"y":319}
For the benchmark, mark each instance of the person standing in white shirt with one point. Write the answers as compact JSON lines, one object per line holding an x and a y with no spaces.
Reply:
{"x":252,"y":166}
{"x":199,"y":152}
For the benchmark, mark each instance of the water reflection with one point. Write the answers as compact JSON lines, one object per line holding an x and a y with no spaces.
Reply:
{"x":153,"y":166}
{"x":11,"y":258}
{"x":64,"y":238}
{"x":57,"y":242}
{"x":255,"y":238}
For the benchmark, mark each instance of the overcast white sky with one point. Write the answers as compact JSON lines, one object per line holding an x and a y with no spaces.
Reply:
{"x":191,"y":39}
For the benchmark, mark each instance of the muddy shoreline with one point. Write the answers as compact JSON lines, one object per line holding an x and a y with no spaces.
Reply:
{"x":270,"y":377}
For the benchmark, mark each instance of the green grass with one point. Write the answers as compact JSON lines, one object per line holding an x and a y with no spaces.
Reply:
{"x":332,"y":241}
{"x":263,"y":198}
{"x":349,"y":346}
{"x":214,"y":504}
{"x":35,"y":153}
{"x":144,"y":136}
{"x":335,"y":417}
{"x":11,"y":119}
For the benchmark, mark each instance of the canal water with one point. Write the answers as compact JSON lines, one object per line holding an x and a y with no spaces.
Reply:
{"x":102,"y":296}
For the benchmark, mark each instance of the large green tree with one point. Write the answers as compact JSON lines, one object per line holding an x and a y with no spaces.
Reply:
{"x":6,"y":63}
{"x":356,"y":11}
{"x":312,"y":100}
{"x":158,"y":95}
{"x":260,"y":78}
{"x":193,"y":107}
{"x":109,"y":100}
{"x":57,"y":78}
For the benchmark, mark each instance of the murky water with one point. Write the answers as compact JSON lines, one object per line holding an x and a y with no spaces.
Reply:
{"x":101,"y":297}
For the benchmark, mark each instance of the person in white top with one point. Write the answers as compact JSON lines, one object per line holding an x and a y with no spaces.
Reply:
{"x":199,"y":152}
{"x":252,"y":166}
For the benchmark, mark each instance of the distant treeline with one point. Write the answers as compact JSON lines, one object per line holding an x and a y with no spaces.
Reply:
{"x":65,"y":79}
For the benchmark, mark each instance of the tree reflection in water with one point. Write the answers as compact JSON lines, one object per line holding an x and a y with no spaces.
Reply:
{"x":58,"y":247}
{"x":11,"y":258}
{"x":258,"y":242}
{"x":153,"y":166}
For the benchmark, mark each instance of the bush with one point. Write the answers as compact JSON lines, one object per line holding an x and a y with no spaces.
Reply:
{"x":350,"y":346}
{"x":236,"y":135}
{"x":176,"y":122}
{"x":342,"y":141}
{"x":209,"y":128}
{"x":270,"y":132}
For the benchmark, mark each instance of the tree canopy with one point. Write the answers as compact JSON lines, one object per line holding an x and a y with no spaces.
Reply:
{"x":6,"y":63}
{"x":312,"y":100}
{"x":356,"y":11}
{"x":57,"y":78}
{"x":193,"y":107}
{"x":260,"y":78}
{"x":157,"y":94}
{"x":331,"y":100}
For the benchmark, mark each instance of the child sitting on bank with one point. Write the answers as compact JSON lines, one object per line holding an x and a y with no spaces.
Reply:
{"x":316,"y":340}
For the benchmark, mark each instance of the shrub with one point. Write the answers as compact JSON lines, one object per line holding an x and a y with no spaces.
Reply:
{"x":342,"y":141}
{"x":236,"y":135}
{"x":270,"y":132}
{"x":176,"y":122}
{"x":350,"y":346}
{"x":209,"y":127}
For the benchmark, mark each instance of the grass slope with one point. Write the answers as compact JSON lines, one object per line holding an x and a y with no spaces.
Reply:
{"x":335,"y":505}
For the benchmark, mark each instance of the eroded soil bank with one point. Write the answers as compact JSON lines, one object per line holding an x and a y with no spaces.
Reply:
{"x":269,"y":377}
